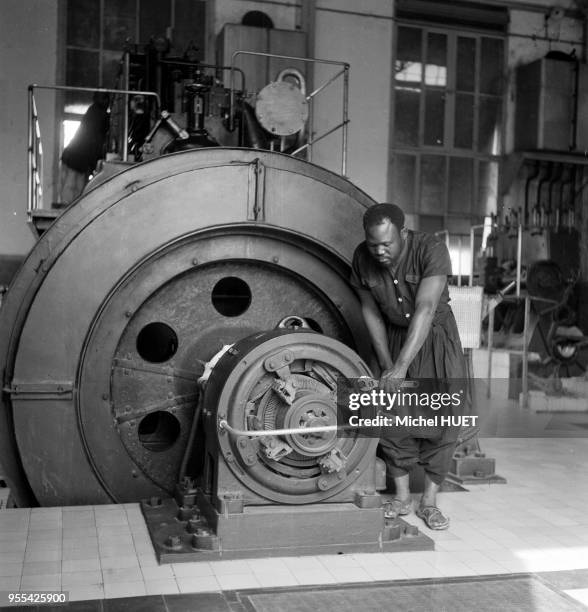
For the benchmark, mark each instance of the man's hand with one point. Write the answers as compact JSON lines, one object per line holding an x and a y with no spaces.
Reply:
{"x":392,"y":378}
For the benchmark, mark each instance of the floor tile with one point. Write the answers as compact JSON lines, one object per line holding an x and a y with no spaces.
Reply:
{"x":128,"y":561}
{"x":350,"y":574}
{"x":161,"y":572}
{"x":221,"y":568}
{"x":132,"y":574}
{"x":80,"y":565}
{"x":41,"y":567}
{"x":276,"y":579}
{"x":77,"y":579}
{"x":231,"y":582}
{"x":9,"y":583}
{"x":161,"y":587}
{"x":197,"y":584}
{"x":309,"y":576}
{"x":192,"y":570}
{"x":50,"y":582}
{"x":124,"y":589}
{"x":10,"y":569}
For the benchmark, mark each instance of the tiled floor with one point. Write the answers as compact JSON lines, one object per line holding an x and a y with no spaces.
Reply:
{"x":537,"y":522}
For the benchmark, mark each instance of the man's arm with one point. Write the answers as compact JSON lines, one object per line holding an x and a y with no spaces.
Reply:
{"x":376,"y":328}
{"x":427,"y":300}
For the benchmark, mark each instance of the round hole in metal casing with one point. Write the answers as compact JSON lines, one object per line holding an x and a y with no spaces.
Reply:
{"x":157,"y":342}
{"x":231,"y":296}
{"x":158,"y":431}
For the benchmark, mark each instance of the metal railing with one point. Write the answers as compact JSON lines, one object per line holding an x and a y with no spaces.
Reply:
{"x":35,"y":148}
{"x":344,"y":73}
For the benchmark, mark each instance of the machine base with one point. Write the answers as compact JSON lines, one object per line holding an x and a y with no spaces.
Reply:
{"x":182,"y":534}
{"x":471,"y":480}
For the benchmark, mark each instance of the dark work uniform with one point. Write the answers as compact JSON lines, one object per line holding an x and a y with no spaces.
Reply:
{"x":87,"y":145}
{"x":440,"y":357}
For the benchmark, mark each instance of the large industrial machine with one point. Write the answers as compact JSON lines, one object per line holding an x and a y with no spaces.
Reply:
{"x":177,"y":335}
{"x":107,"y":326}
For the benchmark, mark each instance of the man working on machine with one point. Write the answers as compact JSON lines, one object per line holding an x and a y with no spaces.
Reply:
{"x":401,"y":279}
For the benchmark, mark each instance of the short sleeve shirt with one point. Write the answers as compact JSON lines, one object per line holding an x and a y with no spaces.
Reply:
{"x":395,"y":293}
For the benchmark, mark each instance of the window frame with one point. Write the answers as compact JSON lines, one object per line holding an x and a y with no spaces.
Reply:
{"x":448,"y":213}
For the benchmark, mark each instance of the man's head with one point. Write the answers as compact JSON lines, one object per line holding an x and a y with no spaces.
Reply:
{"x":101,"y":98}
{"x":385,"y":233}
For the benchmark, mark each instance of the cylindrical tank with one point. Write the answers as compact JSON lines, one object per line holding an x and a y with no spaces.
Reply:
{"x":107,"y":325}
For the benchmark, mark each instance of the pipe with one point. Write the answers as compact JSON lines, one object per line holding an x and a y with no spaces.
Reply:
{"x":260,"y":433}
{"x":472,"y":255}
{"x":459,"y":249}
{"x":525,"y":372}
{"x":519,"y":253}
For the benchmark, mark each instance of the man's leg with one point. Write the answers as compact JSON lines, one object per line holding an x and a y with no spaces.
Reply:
{"x":435,"y":457}
{"x":402,"y":487}
{"x":429,"y":497}
{"x":400,"y":455}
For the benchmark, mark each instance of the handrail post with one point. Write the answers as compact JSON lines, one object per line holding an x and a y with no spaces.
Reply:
{"x":29,"y":156}
{"x":519,"y":254}
{"x":34,"y":144}
{"x":125,"y":142}
{"x":345,"y":120}
{"x":311,"y":140}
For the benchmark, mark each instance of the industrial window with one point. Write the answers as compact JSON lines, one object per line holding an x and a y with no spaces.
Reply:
{"x":447,"y":127}
{"x":97,"y":32}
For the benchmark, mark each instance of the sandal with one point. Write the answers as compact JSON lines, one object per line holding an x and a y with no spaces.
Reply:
{"x":397,"y":507}
{"x":433,"y":517}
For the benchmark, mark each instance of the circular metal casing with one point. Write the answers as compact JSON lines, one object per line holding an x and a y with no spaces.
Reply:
{"x":241,"y":391}
{"x":106,"y":327}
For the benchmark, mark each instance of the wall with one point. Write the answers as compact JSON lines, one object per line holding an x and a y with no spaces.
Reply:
{"x":532,"y":36}
{"x":284,"y":13}
{"x":361,"y":35}
{"x":28,"y":48}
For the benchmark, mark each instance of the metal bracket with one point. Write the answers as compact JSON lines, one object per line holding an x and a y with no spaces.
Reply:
{"x":277,"y":361}
{"x":41,"y":390}
{"x":256,"y":195}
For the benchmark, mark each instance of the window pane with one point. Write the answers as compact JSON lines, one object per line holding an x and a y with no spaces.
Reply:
{"x":403,"y":181}
{"x":81,"y":71}
{"x":489,"y":125}
{"x":431,"y":224}
{"x":436,"y":68}
{"x":491,"y":66}
{"x":119,"y":23}
{"x":459,"y":247}
{"x":82,"y":68}
{"x":154,"y":18}
{"x":487,"y":189}
{"x":432,"y":184}
{"x":406,"y":126}
{"x":466,"y":64}
{"x":464,"y":121}
{"x":409,"y":44}
{"x":83,"y":23}
{"x":111,"y":61}
{"x":190,"y":19}
{"x":461,"y":184}
{"x":408,"y":67}
{"x":434,"y":117}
